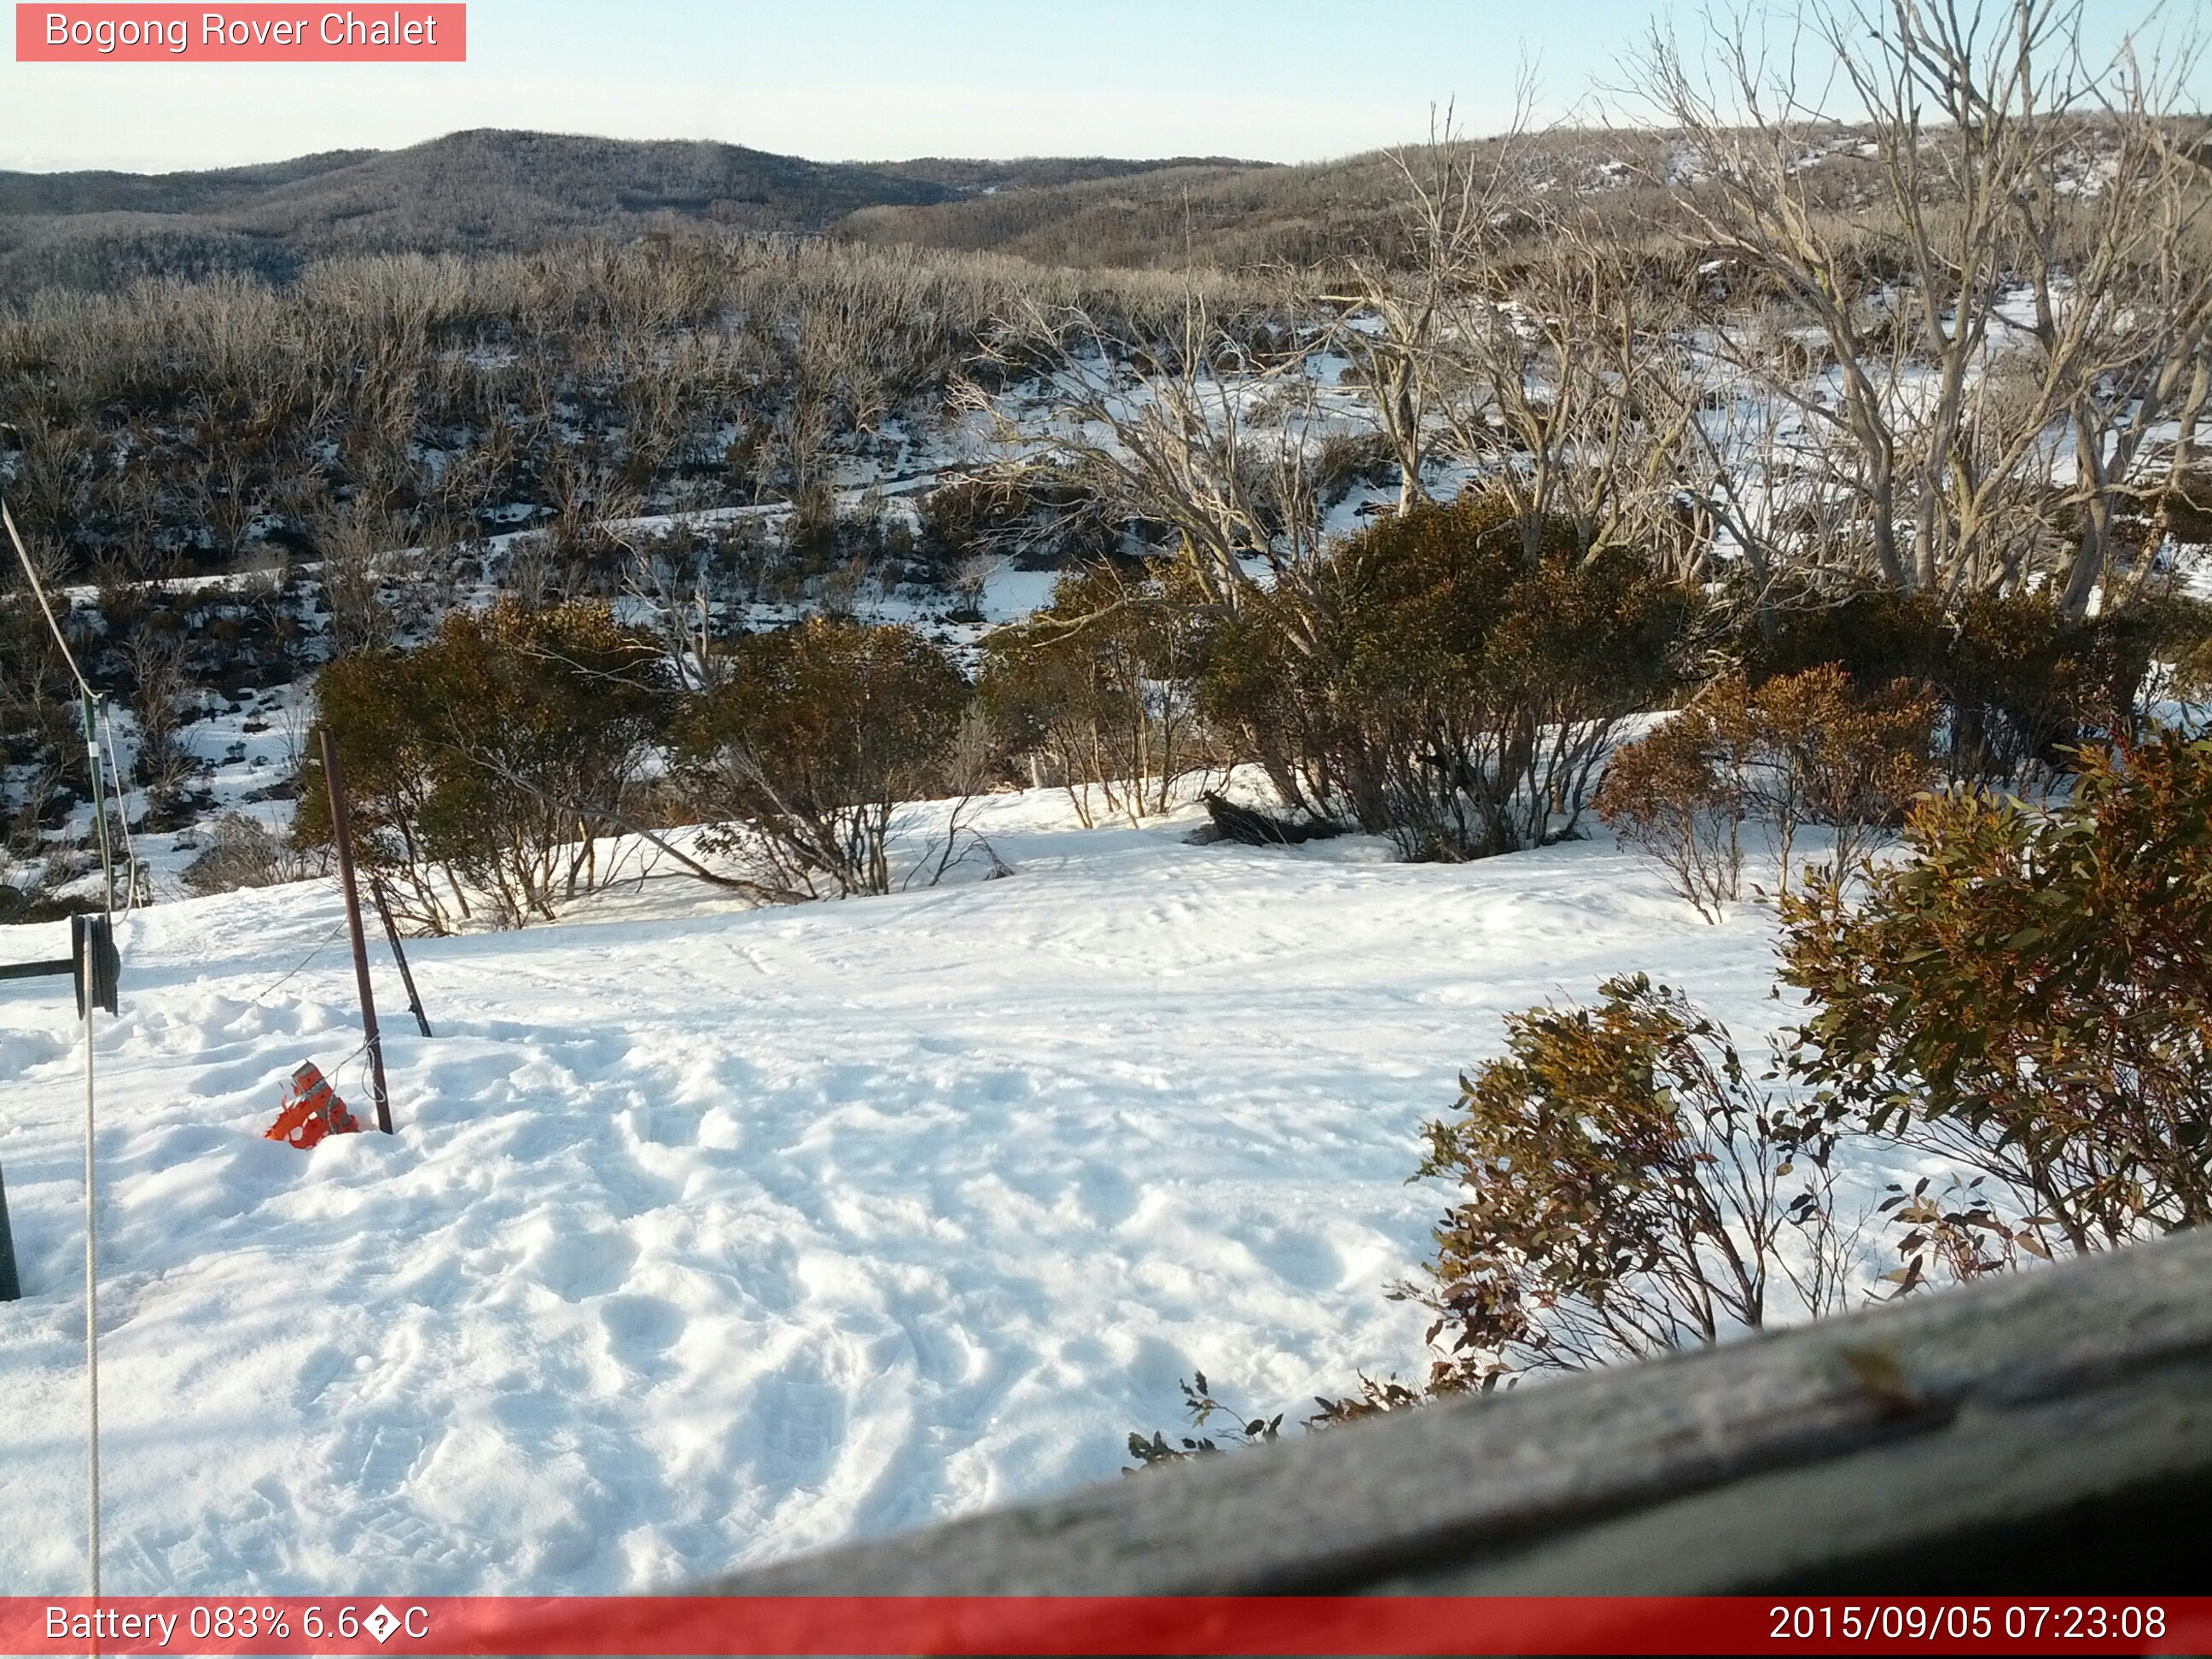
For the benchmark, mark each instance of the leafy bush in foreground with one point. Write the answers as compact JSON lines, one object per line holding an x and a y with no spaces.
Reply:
{"x":1621,"y":1192}
{"x":2029,"y":996}
{"x":2026,"y":998}
{"x":1624,"y":1188}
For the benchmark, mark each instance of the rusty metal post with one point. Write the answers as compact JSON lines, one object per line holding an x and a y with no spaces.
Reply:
{"x":406,"y":974}
{"x":342,"y":833}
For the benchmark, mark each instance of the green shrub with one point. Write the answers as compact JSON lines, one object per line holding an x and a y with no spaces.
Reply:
{"x":2022,"y":684}
{"x":1823,"y":751}
{"x":1429,"y":683}
{"x":813,"y":738}
{"x":2018,"y":684}
{"x":1801,"y":747}
{"x":1874,"y":633}
{"x":2029,"y":996}
{"x":1201,"y":1408}
{"x":1621,"y":1192}
{"x":482,"y":768}
{"x":2184,"y":646}
{"x":1678,"y":794}
{"x":1103,"y":682}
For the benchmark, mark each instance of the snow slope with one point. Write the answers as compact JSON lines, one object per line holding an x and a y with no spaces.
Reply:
{"x":709,"y":1235}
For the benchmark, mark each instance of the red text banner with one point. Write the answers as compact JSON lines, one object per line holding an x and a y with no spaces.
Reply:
{"x":1084,"y":1625}
{"x":241,"y":34}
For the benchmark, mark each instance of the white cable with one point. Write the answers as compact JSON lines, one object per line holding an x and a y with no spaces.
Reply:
{"x":38,"y":592}
{"x":91,"y":697}
{"x":91,"y":1287}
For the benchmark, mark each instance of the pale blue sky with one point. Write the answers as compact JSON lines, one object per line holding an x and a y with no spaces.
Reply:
{"x":1289,"y":80}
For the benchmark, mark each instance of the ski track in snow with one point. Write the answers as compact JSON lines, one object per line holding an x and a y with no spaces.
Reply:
{"x":709,"y":1235}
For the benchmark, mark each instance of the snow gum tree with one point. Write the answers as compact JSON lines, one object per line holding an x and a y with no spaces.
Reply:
{"x":1989,"y":358}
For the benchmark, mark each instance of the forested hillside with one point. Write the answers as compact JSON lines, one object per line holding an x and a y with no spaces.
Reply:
{"x":479,"y":191}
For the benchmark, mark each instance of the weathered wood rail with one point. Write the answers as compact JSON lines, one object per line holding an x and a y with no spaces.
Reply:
{"x":2051,"y":1431}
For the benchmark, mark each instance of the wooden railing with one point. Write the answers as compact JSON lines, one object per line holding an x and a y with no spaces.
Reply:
{"x":2051,"y":1430}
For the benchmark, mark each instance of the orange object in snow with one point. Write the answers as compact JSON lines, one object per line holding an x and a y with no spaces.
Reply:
{"x":311,"y":1111}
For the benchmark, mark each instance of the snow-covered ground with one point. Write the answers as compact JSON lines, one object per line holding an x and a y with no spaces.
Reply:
{"x":710,"y":1233}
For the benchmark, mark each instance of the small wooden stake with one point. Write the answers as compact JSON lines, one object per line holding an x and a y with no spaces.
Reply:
{"x":342,"y":830}
{"x":406,"y":974}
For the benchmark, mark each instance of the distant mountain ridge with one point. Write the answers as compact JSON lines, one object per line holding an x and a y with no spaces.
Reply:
{"x":472,"y":191}
{"x":71,"y":193}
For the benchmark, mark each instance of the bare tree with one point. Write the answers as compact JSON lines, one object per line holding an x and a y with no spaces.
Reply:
{"x":1198,"y":434}
{"x":1565,"y":383}
{"x":158,"y":662}
{"x":671,"y":581}
{"x":2016,"y":305}
{"x":355,"y":545}
{"x":1400,"y":312}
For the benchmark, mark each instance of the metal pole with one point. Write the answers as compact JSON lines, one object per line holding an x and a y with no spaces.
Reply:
{"x":11,"y":1286}
{"x":90,"y":948}
{"x":406,"y":974}
{"x":342,"y":831}
{"x":98,"y":795}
